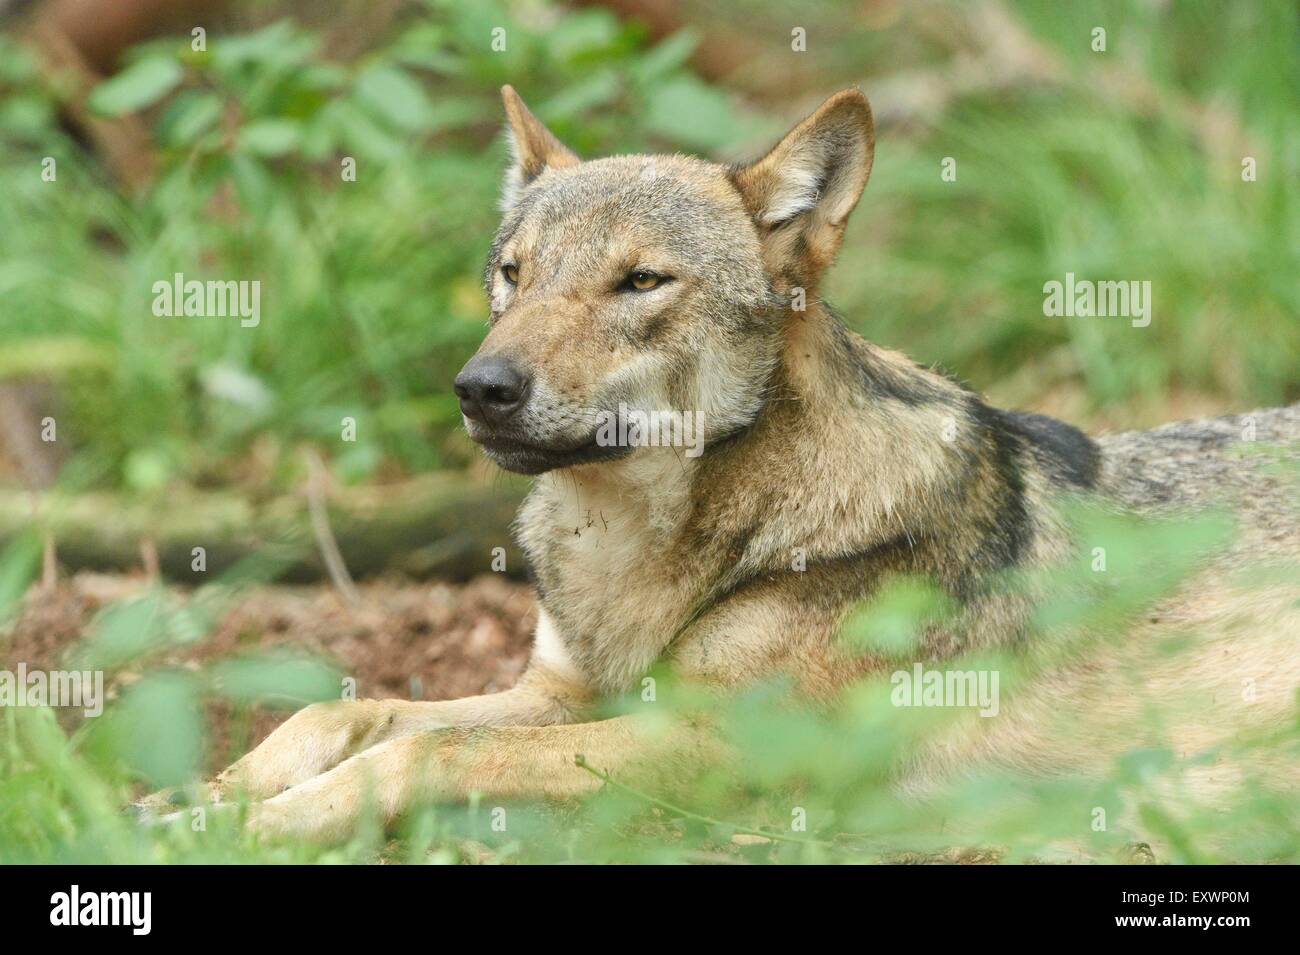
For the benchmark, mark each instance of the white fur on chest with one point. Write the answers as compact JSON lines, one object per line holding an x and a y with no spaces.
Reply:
{"x":605,"y":554}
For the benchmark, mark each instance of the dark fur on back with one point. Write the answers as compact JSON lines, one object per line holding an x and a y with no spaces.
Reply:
{"x":1065,"y":453}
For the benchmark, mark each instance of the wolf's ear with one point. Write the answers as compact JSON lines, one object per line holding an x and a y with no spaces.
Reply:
{"x":533,"y":148}
{"x":801,"y":193}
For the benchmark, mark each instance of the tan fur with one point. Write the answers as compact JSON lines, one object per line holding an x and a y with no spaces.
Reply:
{"x":831,"y":465}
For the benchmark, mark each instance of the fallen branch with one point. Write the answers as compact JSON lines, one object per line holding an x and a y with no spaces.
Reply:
{"x":442,"y":525}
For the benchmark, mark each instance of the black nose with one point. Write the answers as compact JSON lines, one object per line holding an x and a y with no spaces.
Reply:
{"x":491,"y":388}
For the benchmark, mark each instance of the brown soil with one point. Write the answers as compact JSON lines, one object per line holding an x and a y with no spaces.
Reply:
{"x":405,"y":640}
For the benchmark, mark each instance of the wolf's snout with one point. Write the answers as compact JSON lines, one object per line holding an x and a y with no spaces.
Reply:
{"x":491,"y":388}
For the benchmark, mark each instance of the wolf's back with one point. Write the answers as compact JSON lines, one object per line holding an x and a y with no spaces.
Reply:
{"x":1250,"y":462}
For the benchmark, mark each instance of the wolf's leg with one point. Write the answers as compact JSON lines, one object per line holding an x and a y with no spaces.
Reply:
{"x":322,"y":735}
{"x":504,"y":762}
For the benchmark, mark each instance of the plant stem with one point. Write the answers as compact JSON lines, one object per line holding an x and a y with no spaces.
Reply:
{"x":581,"y":761}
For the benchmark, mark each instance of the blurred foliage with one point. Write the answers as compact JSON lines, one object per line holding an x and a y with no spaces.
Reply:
{"x":370,"y":288}
{"x":806,"y":785}
{"x":1087,"y":180}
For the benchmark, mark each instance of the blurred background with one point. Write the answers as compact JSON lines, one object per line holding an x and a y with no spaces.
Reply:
{"x":225,"y":162}
{"x":347,"y":156}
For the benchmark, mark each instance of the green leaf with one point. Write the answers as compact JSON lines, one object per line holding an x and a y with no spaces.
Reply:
{"x":281,"y":44}
{"x":17,"y":63}
{"x":275,"y":679}
{"x":394,"y":96}
{"x":191,"y":114}
{"x":358,"y":134}
{"x":255,"y":185}
{"x":270,"y":138}
{"x":599,"y":89}
{"x":139,"y":85}
{"x":894,"y":620}
{"x":689,"y":112}
{"x":157,"y":728}
{"x":26,"y":114}
{"x":669,"y":55}
{"x":123,"y":632}
{"x":582,"y":35}
{"x":17,"y":569}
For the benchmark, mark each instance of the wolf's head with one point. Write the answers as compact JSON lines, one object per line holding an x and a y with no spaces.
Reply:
{"x":634,"y":285}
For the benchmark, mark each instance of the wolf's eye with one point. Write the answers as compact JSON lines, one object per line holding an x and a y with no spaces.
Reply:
{"x":511,"y":273}
{"x":643,"y":281}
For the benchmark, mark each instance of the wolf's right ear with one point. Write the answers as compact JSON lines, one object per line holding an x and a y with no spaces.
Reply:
{"x":801,"y":193}
{"x":533,"y":148}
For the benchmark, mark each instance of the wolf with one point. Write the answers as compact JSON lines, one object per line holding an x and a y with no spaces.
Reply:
{"x":828,"y":467}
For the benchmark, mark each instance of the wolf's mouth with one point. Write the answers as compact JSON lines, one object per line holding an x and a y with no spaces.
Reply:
{"x":523,"y":457}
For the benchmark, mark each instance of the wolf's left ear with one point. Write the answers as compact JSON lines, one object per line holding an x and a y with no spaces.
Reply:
{"x":801,"y":193}
{"x":533,"y":148}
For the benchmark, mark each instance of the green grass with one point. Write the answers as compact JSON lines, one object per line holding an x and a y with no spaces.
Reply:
{"x":819,"y":782}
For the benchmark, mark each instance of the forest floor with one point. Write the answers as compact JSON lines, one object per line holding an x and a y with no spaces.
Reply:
{"x":401,"y":640}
